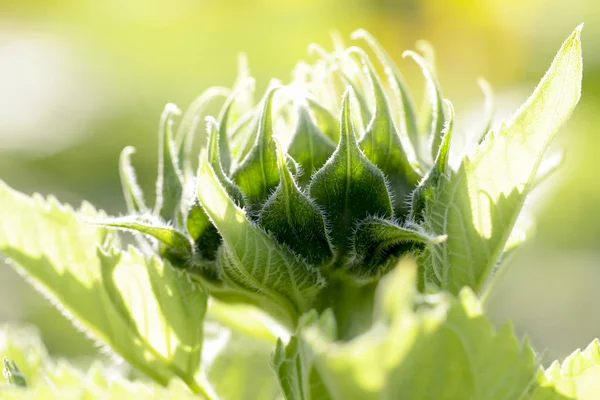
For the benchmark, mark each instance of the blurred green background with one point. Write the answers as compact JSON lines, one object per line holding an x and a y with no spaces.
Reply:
{"x":79,"y":80}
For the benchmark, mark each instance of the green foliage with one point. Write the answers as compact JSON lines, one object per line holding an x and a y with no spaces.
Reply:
{"x":140,"y":308}
{"x":296,"y":241}
{"x":576,"y":377}
{"x":240,"y":368}
{"x":422,"y":347}
{"x":49,"y":379}
{"x":478,"y":205}
{"x":257,"y":174}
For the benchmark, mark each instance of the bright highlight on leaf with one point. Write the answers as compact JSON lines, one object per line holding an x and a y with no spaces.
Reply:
{"x":478,"y":205}
{"x":443,"y":350}
{"x":139,"y":321}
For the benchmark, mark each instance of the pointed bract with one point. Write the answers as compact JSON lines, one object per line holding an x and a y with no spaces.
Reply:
{"x":169,"y":184}
{"x":408,"y":115}
{"x":440,"y":168}
{"x":434,"y":122}
{"x":309,"y":146}
{"x":257,"y":174}
{"x":294,"y":219}
{"x":378,"y":242}
{"x":250,"y":260}
{"x":382,"y":146}
{"x":349,"y":187}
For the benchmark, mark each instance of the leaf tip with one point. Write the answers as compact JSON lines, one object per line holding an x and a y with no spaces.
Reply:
{"x":171,"y":109}
{"x":359,"y":34}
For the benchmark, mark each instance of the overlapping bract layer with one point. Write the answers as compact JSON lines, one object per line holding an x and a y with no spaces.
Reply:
{"x":358,"y":179}
{"x":305,"y":201}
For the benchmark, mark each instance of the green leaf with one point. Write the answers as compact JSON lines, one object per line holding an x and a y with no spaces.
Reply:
{"x":437,"y":172}
{"x":134,"y":197}
{"x":377,"y":243}
{"x":577,"y":377}
{"x":50,"y":379}
{"x":490,"y":107}
{"x":169,"y":236}
{"x":23,"y":347}
{"x":292,"y":363}
{"x":478,"y":205}
{"x":13,"y":374}
{"x":246,"y":319}
{"x":162,"y":307}
{"x":382,"y":146}
{"x":186,"y":130}
{"x":239,"y":368}
{"x":294,"y":219}
{"x":169,"y":184}
{"x":142,"y":312}
{"x":257,"y":174}
{"x":349,"y":187}
{"x":309,"y":146}
{"x":204,"y":234}
{"x":224,"y":117}
{"x":214,"y":158}
{"x":434,"y":113}
{"x":250,"y":260}
{"x":408,"y":115}
{"x":434,"y":347}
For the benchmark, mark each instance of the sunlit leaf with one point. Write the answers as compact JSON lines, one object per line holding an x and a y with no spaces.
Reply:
{"x":134,"y":197}
{"x":59,"y":252}
{"x":434,"y":113}
{"x":478,"y":205}
{"x":577,"y":377}
{"x":224,"y":121}
{"x":326,"y":121}
{"x":169,"y":184}
{"x":292,"y":363}
{"x":239,"y":369}
{"x":175,"y":240}
{"x":439,"y":169}
{"x":438,"y":348}
{"x":186,"y":130}
{"x":490,"y":107}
